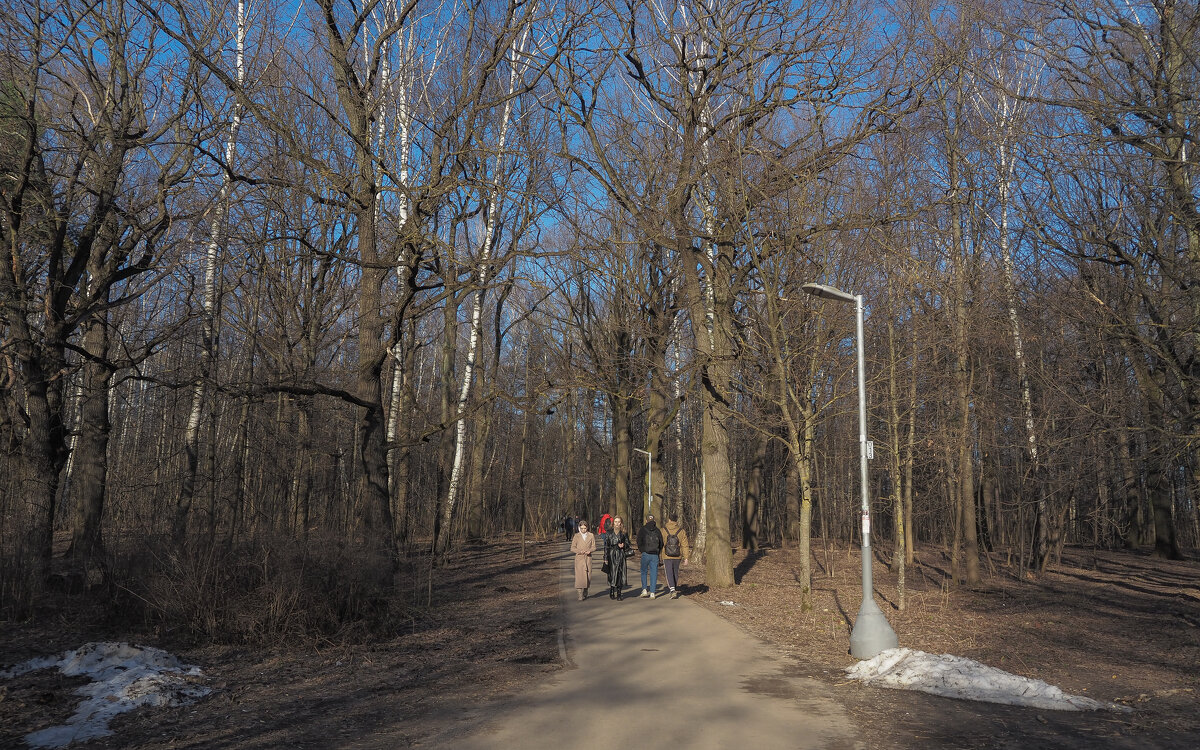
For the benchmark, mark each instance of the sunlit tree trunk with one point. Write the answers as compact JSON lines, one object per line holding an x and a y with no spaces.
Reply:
{"x":755,"y":500}
{"x":899,"y":551}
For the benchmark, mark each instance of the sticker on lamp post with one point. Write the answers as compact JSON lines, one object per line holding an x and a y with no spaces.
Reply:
{"x":866,"y":528}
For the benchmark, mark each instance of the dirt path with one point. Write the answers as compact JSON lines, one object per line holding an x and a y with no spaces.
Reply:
{"x":669,"y":667}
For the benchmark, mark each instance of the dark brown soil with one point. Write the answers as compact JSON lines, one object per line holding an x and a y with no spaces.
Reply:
{"x":1117,"y":627}
{"x":1114,"y":626}
{"x":492,"y":631}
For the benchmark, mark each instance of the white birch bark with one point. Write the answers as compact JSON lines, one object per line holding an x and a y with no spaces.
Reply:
{"x":1003,"y":113}
{"x":708,"y":210}
{"x":494,"y":201}
{"x":216,"y":238}
{"x":402,"y":85}
{"x":396,"y":90}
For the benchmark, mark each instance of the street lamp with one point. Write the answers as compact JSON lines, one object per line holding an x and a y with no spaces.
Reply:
{"x":649,"y":470}
{"x":871,"y":633}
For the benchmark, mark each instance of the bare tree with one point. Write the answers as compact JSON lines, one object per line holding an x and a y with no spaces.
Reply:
{"x":88,"y":195}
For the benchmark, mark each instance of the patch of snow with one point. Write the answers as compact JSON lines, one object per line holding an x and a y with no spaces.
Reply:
{"x":32,"y":665}
{"x":728,"y":603}
{"x":958,"y":677}
{"x":124,"y":678}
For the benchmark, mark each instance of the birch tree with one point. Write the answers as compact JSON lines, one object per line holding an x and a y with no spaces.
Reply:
{"x":492,"y":207}
{"x":209,"y":291}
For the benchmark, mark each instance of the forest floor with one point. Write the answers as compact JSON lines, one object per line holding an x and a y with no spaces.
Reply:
{"x":492,"y":630}
{"x":1113,"y":626}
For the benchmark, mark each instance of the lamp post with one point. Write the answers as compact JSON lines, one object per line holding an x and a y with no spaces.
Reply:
{"x":649,"y":470}
{"x":871,"y":633}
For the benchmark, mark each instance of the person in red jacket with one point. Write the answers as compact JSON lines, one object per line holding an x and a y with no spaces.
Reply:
{"x":602,"y":529}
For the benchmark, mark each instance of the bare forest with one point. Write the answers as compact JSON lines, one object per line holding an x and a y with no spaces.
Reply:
{"x":302,"y":299}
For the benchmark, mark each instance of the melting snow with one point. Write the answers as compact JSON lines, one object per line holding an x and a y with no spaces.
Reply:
{"x":957,"y":677}
{"x":124,"y":678}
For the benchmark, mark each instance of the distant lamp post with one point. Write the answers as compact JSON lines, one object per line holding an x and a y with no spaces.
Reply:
{"x":872,"y":633}
{"x":649,"y":470}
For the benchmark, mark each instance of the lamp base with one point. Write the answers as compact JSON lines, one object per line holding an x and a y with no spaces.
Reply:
{"x":871,"y":634}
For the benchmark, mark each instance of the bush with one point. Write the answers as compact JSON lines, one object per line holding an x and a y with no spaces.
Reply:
{"x":262,"y":591}
{"x":16,"y":589}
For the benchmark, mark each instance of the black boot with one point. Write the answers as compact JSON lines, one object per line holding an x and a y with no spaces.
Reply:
{"x":612,"y":593}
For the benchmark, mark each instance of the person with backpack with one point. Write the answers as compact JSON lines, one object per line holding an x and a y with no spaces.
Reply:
{"x":675,"y":549}
{"x":650,"y":542}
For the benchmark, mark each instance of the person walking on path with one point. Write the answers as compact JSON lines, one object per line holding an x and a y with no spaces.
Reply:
{"x":650,"y":542}
{"x":568,"y":527}
{"x":583,"y":545}
{"x":604,"y":527}
{"x":675,"y":548}
{"x":616,"y":545}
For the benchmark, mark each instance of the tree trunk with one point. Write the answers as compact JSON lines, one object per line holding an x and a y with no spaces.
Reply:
{"x":209,"y":343}
{"x":623,"y":447}
{"x":477,"y":526}
{"x":804,"y":472}
{"x":398,"y":434}
{"x":962,"y":374}
{"x":910,"y":451}
{"x":701,"y":541}
{"x":718,"y":551}
{"x":753,"y":507}
{"x":899,"y":554}
{"x":715,"y":355}
{"x":91,"y":458}
{"x":445,"y":454}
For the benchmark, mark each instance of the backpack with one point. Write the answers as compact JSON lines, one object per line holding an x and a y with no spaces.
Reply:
{"x":671,"y":548}
{"x":649,"y":543}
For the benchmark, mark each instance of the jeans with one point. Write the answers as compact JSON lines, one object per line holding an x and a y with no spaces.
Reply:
{"x":671,"y":565}
{"x":650,"y":565}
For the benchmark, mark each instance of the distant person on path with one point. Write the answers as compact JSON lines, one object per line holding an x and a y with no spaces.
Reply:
{"x":583,"y":545}
{"x":568,"y":526}
{"x":616,"y":545}
{"x":675,"y":548}
{"x":650,"y":542}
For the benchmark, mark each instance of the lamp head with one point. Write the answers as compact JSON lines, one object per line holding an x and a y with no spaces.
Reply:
{"x":828,"y":292}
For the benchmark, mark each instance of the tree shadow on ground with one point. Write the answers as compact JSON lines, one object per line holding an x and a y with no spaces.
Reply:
{"x":837,"y":601}
{"x":746,"y":565}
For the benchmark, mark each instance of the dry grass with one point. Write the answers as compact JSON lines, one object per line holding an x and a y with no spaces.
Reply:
{"x":491,"y":631}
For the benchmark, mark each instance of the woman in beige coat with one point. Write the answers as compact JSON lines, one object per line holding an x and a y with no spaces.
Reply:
{"x":583,"y":545}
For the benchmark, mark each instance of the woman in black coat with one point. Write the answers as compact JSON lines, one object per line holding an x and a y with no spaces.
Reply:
{"x":616,"y":546}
